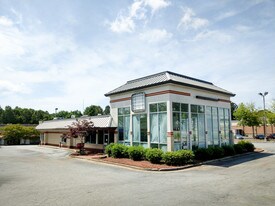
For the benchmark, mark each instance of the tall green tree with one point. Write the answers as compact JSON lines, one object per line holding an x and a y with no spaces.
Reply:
{"x":15,"y":132}
{"x":107,"y":110}
{"x":93,"y":110}
{"x":234,"y":107}
{"x":247,"y":115}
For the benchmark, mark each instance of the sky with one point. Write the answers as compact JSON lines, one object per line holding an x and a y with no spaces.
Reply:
{"x":67,"y":54}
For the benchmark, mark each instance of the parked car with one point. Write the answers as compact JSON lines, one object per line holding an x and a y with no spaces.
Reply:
{"x":271,"y":136}
{"x":239,"y":136}
{"x":259,"y":136}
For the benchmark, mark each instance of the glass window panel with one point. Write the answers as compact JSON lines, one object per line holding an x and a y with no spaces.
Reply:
{"x":136,"y":128}
{"x":143,"y":128}
{"x":120,"y":128}
{"x":209,"y":126}
{"x":153,"y":108}
{"x":100,"y":137}
{"x":194,"y":122}
{"x":184,"y":130}
{"x":127,"y":110}
{"x":154,"y":127}
{"x":215,"y":125}
{"x":184,"y":107}
{"x":163,"y":127}
{"x":162,"y":107}
{"x":176,"y":106}
{"x":176,"y":121}
{"x":194,"y":108}
{"x":126,"y":127}
{"x":200,"y":109}
{"x":120,"y":111}
{"x":201,"y":130}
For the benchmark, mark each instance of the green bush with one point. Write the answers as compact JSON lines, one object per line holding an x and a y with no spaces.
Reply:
{"x":239,"y":149}
{"x":108,"y":149}
{"x":218,"y":152}
{"x":136,"y":152}
{"x":153,"y":155}
{"x":247,"y":146}
{"x":119,"y":151}
{"x":228,"y":150}
{"x":178,"y":158}
{"x":204,"y":153}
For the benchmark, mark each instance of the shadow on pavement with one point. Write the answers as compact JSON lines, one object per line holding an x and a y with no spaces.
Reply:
{"x":241,"y":159}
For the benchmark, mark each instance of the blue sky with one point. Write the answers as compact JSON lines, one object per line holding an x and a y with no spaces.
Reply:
{"x":66,"y":52}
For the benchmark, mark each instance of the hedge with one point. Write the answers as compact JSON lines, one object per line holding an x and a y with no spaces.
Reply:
{"x":136,"y":152}
{"x":153,"y":155}
{"x":178,"y":158}
{"x":247,"y":146}
{"x":119,"y":151}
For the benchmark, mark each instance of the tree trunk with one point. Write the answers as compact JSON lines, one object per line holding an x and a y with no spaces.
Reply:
{"x":253,"y":132}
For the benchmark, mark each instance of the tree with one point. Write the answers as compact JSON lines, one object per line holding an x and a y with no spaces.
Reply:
{"x":271,"y":120}
{"x":80,"y":129}
{"x":247,"y":115}
{"x":15,"y":132}
{"x":234,"y":107}
{"x":93,"y":110}
{"x":107,"y":110}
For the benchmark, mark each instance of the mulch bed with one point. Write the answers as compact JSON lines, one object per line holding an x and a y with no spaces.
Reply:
{"x":125,"y":161}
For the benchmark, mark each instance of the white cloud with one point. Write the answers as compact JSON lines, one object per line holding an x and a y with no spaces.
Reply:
{"x":190,"y":21}
{"x":155,"y":35}
{"x":214,"y":35}
{"x":156,"y":4}
{"x":226,"y":15}
{"x":10,"y":87}
{"x":4,"y":21}
{"x":137,"y":11}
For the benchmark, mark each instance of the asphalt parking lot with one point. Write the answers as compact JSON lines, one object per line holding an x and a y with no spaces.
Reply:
{"x":33,"y":175}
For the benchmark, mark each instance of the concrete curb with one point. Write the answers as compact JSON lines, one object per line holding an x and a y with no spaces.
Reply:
{"x":166,"y":169}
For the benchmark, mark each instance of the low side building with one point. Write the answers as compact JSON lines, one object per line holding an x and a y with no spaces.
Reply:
{"x":102,"y":134}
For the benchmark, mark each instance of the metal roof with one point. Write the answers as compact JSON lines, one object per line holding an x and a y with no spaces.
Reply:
{"x":100,"y":121}
{"x":164,"y":78}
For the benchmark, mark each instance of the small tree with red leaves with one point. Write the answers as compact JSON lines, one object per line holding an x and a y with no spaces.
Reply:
{"x":81,"y":129}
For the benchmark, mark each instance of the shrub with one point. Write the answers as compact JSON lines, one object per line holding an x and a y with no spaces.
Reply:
{"x":119,"y":151}
{"x":154,"y":155}
{"x":178,"y":158}
{"x":108,"y":149}
{"x":238,"y":148}
{"x":136,"y":152}
{"x":204,"y":153}
{"x":186,"y":156}
{"x":218,"y":152}
{"x":247,"y":146}
{"x":228,"y":150}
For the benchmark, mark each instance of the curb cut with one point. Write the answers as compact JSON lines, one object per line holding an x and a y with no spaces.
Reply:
{"x":166,"y":169}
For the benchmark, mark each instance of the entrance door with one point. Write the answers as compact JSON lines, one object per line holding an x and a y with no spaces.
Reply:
{"x":106,"y":137}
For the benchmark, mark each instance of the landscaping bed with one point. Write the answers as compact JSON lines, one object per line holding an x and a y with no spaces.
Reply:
{"x":155,"y":159}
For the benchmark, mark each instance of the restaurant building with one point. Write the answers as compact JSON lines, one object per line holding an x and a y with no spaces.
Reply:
{"x":166,"y":110}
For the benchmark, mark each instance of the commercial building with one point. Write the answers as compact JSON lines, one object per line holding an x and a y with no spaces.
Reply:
{"x":168,"y":111}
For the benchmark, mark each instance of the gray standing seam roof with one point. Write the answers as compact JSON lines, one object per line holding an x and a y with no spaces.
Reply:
{"x":100,"y":121}
{"x":164,"y":78}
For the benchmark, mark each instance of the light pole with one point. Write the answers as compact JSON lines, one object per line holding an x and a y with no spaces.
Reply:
{"x":263,"y":95}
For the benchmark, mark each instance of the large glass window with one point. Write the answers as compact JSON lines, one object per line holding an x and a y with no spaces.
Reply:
{"x":140,"y":130}
{"x":91,"y":138}
{"x":180,"y":125}
{"x":224,"y":125}
{"x":124,"y":125}
{"x":138,"y":102}
{"x":158,"y":125}
{"x":198,"y":125}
